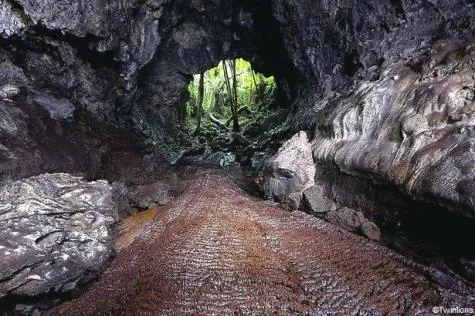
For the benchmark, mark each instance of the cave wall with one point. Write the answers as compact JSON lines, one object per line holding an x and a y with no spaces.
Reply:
{"x":386,"y":87}
{"x":124,"y":63}
{"x":337,"y":44}
{"x":388,"y":90}
{"x":389,"y":100}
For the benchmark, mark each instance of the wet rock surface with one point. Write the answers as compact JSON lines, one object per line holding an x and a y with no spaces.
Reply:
{"x":55,"y":235}
{"x":216,"y":251}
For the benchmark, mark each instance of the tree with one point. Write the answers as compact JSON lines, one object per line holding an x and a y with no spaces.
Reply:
{"x":233,"y":96}
{"x":232,"y":92}
{"x":199,"y":105}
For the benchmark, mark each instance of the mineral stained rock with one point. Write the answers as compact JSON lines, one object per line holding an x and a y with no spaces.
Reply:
{"x":54,"y":235}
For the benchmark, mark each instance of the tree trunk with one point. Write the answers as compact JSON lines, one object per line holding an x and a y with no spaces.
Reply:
{"x":234,"y":108}
{"x":254,"y":79}
{"x":228,"y":84}
{"x":199,"y":106}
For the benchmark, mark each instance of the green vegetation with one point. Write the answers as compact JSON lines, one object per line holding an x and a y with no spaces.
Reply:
{"x":230,"y":96}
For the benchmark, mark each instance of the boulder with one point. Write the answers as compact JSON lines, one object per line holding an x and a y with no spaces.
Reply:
{"x":351,"y":220}
{"x":346,"y":218}
{"x":54,"y":235}
{"x":315,"y":201}
{"x":371,"y":230}
{"x":292,"y":170}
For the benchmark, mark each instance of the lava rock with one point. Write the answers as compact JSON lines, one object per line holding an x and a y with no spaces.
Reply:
{"x":290,"y":171}
{"x":316,"y":202}
{"x":57,"y":108}
{"x":11,"y":22}
{"x":346,"y":218}
{"x":399,"y":129}
{"x":371,"y":230}
{"x":32,"y":142}
{"x":54,"y":235}
{"x":8,"y":92}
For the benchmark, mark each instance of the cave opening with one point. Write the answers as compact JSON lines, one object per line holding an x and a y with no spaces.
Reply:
{"x":229,"y":114}
{"x":229,"y":97}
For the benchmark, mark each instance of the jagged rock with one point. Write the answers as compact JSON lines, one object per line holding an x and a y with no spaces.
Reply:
{"x":11,"y":22}
{"x":11,"y":74}
{"x":290,"y":171}
{"x":54,"y":234}
{"x":335,"y":42}
{"x":315,"y":200}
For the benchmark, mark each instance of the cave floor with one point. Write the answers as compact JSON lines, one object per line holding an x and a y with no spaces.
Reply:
{"x":216,"y":250}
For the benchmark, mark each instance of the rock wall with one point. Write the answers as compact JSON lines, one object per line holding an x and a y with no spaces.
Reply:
{"x":339,"y":42}
{"x":388,"y":97}
{"x":409,"y":133}
{"x":389,"y":103}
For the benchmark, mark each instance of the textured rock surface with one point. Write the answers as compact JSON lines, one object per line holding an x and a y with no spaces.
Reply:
{"x":38,"y":134}
{"x":216,"y":251}
{"x":386,"y":89}
{"x":337,"y":41}
{"x":411,"y":128}
{"x":54,"y":235}
{"x":315,"y":200}
{"x":292,"y":170}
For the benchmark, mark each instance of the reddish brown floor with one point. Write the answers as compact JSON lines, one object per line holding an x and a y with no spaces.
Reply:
{"x":216,"y":251}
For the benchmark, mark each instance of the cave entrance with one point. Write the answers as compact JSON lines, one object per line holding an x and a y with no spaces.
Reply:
{"x":229,"y":97}
{"x":229,"y":113}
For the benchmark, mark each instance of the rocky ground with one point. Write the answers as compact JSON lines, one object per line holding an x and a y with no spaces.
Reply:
{"x":215,"y":250}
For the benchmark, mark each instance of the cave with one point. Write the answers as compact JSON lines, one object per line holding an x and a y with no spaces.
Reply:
{"x":229,"y":109}
{"x":237,"y":157}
